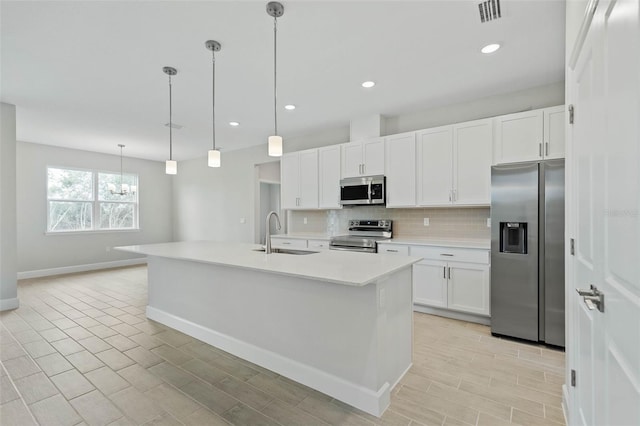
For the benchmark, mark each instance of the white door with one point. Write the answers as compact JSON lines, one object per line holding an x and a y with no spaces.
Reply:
{"x":468,"y":287}
{"x":519,"y":137}
{"x":308,"y":198}
{"x":554,"y":121}
{"x":435,"y":162}
{"x":472,"y":162}
{"x":329,"y":177}
{"x":289,"y":183}
{"x":430,"y":283}
{"x":604,"y":219}
{"x":352,"y":159}
{"x":401,"y":170}
{"x":373,"y":157}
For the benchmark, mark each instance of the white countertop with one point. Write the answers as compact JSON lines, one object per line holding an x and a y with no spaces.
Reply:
{"x":347,"y":268}
{"x":474,"y":243}
{"x":304,"y":236}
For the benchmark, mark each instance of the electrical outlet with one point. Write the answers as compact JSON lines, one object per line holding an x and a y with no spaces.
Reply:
{"x":488,"y":222}
{"x":426,"y":221}
{"x":304,"y":220}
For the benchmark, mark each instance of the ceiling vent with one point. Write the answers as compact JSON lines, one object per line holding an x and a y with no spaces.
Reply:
{"x":489,"y":10}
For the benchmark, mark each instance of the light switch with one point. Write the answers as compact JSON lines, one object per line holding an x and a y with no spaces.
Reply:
{"x":304,"y":220}
{"x":488,"y":222}
{"x":426,"y":221}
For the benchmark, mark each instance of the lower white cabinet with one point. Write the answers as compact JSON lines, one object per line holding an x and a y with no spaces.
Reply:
{"x":318,"y":244}
{"x":455,"y":279}
{"x":288,"y":242}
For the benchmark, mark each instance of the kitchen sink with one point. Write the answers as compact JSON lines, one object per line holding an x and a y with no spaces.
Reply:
{"x":287,"y":251}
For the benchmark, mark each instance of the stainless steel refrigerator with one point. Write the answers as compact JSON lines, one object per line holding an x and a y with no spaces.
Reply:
{"x":527,"y":251}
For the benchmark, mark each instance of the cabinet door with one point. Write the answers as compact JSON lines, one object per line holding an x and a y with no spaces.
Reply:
{"x":351,"y":159}
{"x":468,"y":289}
{"x":308,"y":194}
{"x":400,"y":156}
{"x":289,"y":184}
{"x":472,"y":163}
{"x":329,"y":177}
{"x":430,"y":283}
{"x":519,"y":137}
{"x":373,"y":157}
{"x":393,"y":249}
{"x":435,"y":160}
{"x":554,"y":146}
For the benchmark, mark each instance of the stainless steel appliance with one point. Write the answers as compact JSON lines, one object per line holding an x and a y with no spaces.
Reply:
{"x":365,"y":190}
{"x":527,"y":251}
{"x":363,"y":236}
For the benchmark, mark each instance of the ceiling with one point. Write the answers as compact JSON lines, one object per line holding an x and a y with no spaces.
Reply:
{"x":88,"y":74}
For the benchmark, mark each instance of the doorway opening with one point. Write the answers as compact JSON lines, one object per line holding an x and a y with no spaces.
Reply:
{"x":267,"y":199}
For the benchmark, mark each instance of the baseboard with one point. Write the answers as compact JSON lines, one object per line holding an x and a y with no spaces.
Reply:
{"x":452,"y":314}
{"x":373,"y":402}
{"x":8,"y":304}
{"x":80,"y":268}
{"x":565,"y":403}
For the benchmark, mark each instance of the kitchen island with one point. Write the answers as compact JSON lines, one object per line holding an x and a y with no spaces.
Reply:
{"x":338,"y":322}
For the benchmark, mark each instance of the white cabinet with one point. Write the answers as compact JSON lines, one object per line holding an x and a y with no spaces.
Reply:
{"x":395,"y":249}
{"x":400,"y":157}
{"x":454,"y":164}
{"x":318,"y":244}
{"x":363,"y":158}
{"x":299,"y":180}
{"x":529,"y":136}
{"x":284,"y":242}
{"x":329,"y":177}
{"x":452,"y":278}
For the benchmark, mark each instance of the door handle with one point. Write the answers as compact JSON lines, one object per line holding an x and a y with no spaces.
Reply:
{"x":593,"y":298}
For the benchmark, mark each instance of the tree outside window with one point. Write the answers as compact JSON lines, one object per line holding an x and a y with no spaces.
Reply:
{"x":80,"y":200}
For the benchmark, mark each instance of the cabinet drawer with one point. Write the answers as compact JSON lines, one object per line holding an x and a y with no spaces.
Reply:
{"x":447,"y":254}
{"x":318,"y":244}
{"x":393,"y":249}
{"x":288,"y":242}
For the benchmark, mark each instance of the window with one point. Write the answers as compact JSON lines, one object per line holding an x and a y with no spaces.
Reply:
{"x":81,"y":200}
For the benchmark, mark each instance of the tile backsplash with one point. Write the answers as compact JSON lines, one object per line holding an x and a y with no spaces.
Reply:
{"x":443,"y":222}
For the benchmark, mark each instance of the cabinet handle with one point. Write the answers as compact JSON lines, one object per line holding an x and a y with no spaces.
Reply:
{"x":540,"y":149}
{"x":444,"y":272}
{"x":392,"y":251}
{"x":364,"y":168}
{"x":546,"y":148}
{"x":286,"y":243}
{"x":450,"y":191}
{"x":449,"y":272}
{"x":445,"y":254}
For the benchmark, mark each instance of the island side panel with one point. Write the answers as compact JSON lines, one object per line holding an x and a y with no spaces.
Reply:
{"x":327,"y":327}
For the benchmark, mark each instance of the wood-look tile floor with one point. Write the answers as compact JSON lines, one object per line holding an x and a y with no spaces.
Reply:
{"x":80,"y":350}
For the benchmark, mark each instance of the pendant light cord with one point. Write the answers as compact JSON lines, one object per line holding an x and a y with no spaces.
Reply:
{"x":170,"y":123}
{"x":275,"y":75}
{"x":121,"y":146}
{"x":213,"y":99}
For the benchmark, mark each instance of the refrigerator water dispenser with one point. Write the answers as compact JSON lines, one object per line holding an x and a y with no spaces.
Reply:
{"x":513,"y":237}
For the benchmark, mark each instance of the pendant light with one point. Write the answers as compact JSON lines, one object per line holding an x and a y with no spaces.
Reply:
{"x":214,"y":154}
{"x":275,"y":10}
{"x":124,"y":188}
{"x":171,"y":166}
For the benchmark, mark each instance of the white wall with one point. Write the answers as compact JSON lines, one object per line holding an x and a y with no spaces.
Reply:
{"x":8,"y":282}
{"x":38,"y":251}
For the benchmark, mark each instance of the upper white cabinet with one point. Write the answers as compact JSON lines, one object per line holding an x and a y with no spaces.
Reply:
{"x":529,"y":136}
{"x":299,"y":180}
{"x":454,"y":164}
{"x":363,"y":158}
{"x":329,"y":177}
{"x":400,"y":156}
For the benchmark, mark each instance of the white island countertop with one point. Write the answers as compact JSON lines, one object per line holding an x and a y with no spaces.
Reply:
{"x":347,"y":268}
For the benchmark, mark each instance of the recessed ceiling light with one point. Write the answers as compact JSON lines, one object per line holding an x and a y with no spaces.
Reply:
{"x":490,"y":48}
{"x":290,"y":107}
{"x":368,"y":84}
{"x":234,"y":123}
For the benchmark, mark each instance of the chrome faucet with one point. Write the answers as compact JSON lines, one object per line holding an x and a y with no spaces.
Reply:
{"x":267,"y":249}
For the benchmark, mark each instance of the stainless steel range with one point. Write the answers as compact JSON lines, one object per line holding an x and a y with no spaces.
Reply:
{"x":363,"y":236}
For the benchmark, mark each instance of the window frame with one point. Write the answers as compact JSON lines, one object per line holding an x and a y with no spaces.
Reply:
{"x":95,"y":203}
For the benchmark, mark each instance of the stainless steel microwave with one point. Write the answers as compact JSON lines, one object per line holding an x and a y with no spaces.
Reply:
{"x":366,"y":190}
